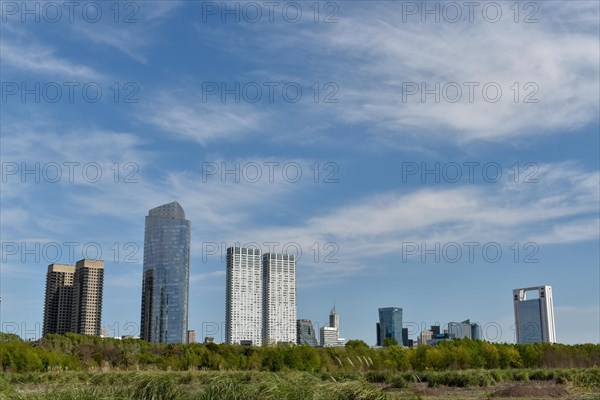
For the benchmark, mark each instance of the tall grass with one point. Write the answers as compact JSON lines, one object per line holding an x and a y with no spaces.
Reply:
{"x":289,"y":385}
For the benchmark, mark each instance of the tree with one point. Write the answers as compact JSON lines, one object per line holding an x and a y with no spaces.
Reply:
{"x":390,"y":342}
{"x":356,"y":344}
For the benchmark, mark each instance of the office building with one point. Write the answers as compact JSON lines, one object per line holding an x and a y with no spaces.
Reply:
{"x":534,"y":317}
{"x":334,"y":319}
{"x":306,"y":332}
{"x":459,"y":330}
{"x":404,"y":337}
{"x":73,"y":298}
{"x":465,"y":329}
{"x":439,"y":337}
{"x":244,"y":296}
{"x":328,"y":336}
{"x":165,"y":281}
{"x":476,"y":332}
{"x":279,"y":298}
{"x":191,"y":336}
{"x":378,"y":334}
{"x":435,"y":329}
{"x":390,"y":324}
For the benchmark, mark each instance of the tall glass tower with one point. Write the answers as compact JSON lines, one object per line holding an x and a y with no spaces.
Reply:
{"x":165,"y":283}
{"x":390,"y":324}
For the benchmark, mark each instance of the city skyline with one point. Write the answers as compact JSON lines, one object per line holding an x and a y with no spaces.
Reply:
{"x":432,"y":165}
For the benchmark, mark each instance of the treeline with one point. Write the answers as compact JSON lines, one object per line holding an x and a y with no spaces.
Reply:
{"x":79,"y":352}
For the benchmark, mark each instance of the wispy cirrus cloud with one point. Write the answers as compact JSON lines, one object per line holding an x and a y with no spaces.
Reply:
{"x":185,"y":115}
{"x":39,"y":59}
{"x":546,"y":72}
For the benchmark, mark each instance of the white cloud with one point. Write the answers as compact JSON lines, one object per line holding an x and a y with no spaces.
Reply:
{"x":188,"y":117}
{"x":370,"y":53}
{"x":41,"y":59}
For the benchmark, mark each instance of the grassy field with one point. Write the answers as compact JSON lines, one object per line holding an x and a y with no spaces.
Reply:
{"x":472,"y":384}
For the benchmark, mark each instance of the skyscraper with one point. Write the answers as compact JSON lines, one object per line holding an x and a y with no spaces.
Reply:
{"x":58,"y":299}
{"x":243,"y":293}
{"x":165,"y":281}
{"x":534,"y":318}
{"x":73,"y":300}
{"x":334,"y":319}
{"x":390,"y":324}
{"x":279,"y":298}
{"x":88,"y":282}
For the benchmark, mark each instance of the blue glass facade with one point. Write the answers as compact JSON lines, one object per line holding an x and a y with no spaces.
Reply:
{"x":390,"y":324}
{"x":530,"y":321}
{"x":165,"y":283}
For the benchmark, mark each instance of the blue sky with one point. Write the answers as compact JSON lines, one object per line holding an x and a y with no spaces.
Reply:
{"x":136,"y":104}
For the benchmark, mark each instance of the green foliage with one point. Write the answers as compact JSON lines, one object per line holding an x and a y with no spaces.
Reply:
{"x":89,"y":353}
{"x":390,"y":342}
{"x":356,"y":345}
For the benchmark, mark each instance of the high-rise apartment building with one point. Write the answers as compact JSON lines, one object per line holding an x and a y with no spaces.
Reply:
{"x":279,"y":298}
{"x":390,"y":324}
{"x":165,"y":281}
{"x":244,"y":296}
{"x":260,"y":305}
{"x":534,"y":317}
{"x":58,"y":299}
{"x":88,"y":282}
{"x":73,"y":300}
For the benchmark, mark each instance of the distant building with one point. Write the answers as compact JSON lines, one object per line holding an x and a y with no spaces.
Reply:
{"x":244,"y":301}
{"x":165,"y":280}
{"x":424,"y":337}
{"x":390,"y":324}
{"x":279,"y":298}
{"x":334,"y":319}
{"x":378,"y":334}
{"x":73,"y":299}
{"x":459,"y":330}
{"x":330,"y":335}
{"x":305,"y":332}
{"x":476,"y":332}
{"x":191,"y":336}
{"x":440,"y":337}
{"x":534,"y":318}
{"x":209,"y":339}
{"x":404,"y":337}
{"x":465,"y":329}
{"x":435,"y":329}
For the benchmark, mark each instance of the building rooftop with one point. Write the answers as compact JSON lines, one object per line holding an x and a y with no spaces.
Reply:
{"x":169,"y":210}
